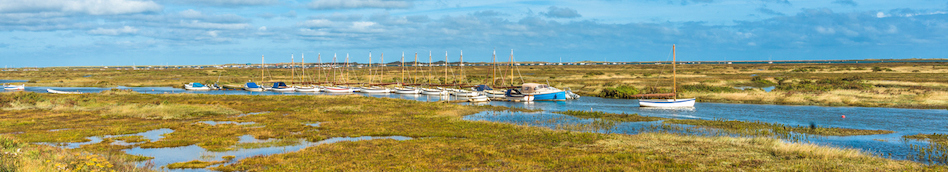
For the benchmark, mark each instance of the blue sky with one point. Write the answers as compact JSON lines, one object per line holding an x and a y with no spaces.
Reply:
{"x":185,"y":32}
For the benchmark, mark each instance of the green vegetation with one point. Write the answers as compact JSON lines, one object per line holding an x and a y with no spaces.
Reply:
{"x":936,"y":138}
{"x":619,"y":92}
{"x":16,"y":155}
{"x":192,"y":164}
{"x":829,"y":84}
{"x":763,"y":128}
{"x":442,"y":141}
{"x":708,"y":88}
{"x":609,"y":116}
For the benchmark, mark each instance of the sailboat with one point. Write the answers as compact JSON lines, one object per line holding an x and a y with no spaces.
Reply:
{"x":485,"y":89}
{"x":463,"y":92}
{"x":534,"y":91}
{"x":407,"y":90}
{"x":438,"y":91}
{"x":281,"y":86}
{"x":250,"y":85}
{"x":194,"y":86}
{"x":310,"y":88}
{"x":62,"y":92}
{"x":337,"y":89}
{"x":14,"y":87}
{"x":374,"y":89}
{"x":675,"y":102}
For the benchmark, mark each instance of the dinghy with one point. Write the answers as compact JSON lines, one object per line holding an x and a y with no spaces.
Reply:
{"x":62,"y":92}
{"x":250,"y":86}
{"x":675,"y":101}
{"x":375,"y":90}
{"x":310,"y":89}
{"x":429,"y":91}
{"x":465,"y":93}
{"x":338,"y":90}
{"x":281,"y":87}
{"x":14,"y":87}
{"x":481,"y":98}
{"x":194,"y":86}
{"x":408,"y":90}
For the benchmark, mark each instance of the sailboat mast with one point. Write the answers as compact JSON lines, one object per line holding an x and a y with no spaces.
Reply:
{"x":371,"y":75}
{"x":511,"y":68}
{"x":415,"y":66}
{"x":347,"y":69}
{"x":445,"y":67}
{"x":674,"y":74}
{"x":461,"y":65}
{"x":303,"y":64}
{"x":429,"y":68}
{"x":382,"y":61}
{"x":403,"y":69}
{"x":319,"y":66}
{"x":261,"y":68}
{"x":292,"y":68}
{"x":493,"y":69}
{"x":334,"y":79}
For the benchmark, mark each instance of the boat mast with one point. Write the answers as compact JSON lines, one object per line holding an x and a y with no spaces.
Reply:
{"x":674,"y":74}
{"x":292,"y":68}
{"x":415,"y":66}
{"x":261,"y":69}
{"x":493,"y":69}
{"x":403,"y":69}
{"x":429,"y":68}
{"x":445,"y":81}
{"x":347,"y":70}
{"x":511,"y":67}
{"x":334,"y":78}
{"x":382,"y":61}
{"x":461,"y":65}
{"x":303,"y":64}
{"x":371,"y":75}
{"x":319,"y":69}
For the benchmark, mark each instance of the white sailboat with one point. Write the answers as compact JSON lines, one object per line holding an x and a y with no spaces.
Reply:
{"x":675,"y":102}
{"x":336,"y":88}
{"x":14,"y":87}
{"x":310,"y":88}
{"x":194,"y":86}
{"x":62,"y":92}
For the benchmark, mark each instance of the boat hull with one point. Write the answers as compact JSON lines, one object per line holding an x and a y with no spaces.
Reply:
{"x":479,"y":99}
{"x":407,"y":91}
{"x":190,"y":88}
{"x":253,"y":89}
{"x":338,"y":90}
{"x":465,"y":94}
{"x":554,"y":96}
{"x":434,"y":92}
{"x":307,"y":89}
{"x":667,"y":102}
{"x":283,"y":89}
{"x":370,"y":90}
{"x":62,"y":92}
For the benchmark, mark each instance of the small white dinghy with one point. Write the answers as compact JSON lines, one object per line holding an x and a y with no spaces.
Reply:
{"x":250,"y":86}
{"x":428,"y":91}
{"x":375,"y":90}
{"x":338,"y":90}
{"x":14,"y":87}
{"x":407,"y":91}
{"x":667,"y":102}
{"x":465,"y":93}
{"x":194,"y":86}
{"x":62,"y":92}
{"x":310,"y":89}
{"x":481,"y":98}
{"x":281,"y":87}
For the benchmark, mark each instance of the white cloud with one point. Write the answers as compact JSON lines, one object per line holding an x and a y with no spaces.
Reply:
{"x":206,"y":25}
{"x":119,"y":31}
{"x":212,"y":33}
{"x":881,"y":15}
{"x":93,"y":7}
{"x":824,"y":30}
{"x":352,"y":4}
{"x":364,"y":26}
{"x":315,"y":23}
{"x":556,"y":12}
{"x":262,"y":28}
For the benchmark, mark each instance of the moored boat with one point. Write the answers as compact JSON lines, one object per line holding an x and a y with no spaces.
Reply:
{"x":281,"y":87}
{"x":62,"y":92}
{"x":430,"y":91}
{"x":375,"y":90}
{"x":542,"y":92}
{"x":250,"y":86}
{"x":338,"y":90}
{"x":407,"y":90}
{"x":674,"y":101}
{"x":14,"y":87}
{"x":307,"y":89}
{"x":194,"y":86}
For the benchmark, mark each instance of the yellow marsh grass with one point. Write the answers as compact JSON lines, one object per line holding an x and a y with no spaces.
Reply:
{"x":192,"y":164}
{"x":168,"y":111}
{"x":16,"y":155}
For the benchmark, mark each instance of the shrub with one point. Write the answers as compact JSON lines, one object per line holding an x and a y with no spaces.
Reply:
{"x":619,"y":92}
{"x":708,"y":88}
{"x":595,"y":73}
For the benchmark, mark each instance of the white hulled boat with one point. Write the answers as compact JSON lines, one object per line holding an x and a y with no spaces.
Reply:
{"x":675,"y":102}
{"x":194,"y":86}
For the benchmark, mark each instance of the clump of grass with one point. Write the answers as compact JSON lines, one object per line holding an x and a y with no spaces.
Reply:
{"x":619,"y":92}
{"x":168,"y":111}
{"x":16,"y":155}
{"x":192,"y":164}
{"x":934,"y":137}
{"x":131,"y":139}
{"x":763,"y":128}
{"x":708,"y":88}
{"x":610,"y":116}
{"x":229,"y":157}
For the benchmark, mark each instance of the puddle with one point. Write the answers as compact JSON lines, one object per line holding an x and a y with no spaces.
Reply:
{"x":153,"y":135}
{"x":227,"y":122}
{"x":316,"y":124}
{"x":165,"y":156}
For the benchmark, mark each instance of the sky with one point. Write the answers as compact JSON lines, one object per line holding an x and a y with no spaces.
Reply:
{"x":204,"y":32}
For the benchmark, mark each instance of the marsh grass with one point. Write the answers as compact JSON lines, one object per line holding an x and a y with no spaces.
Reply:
{"x":444,"y":141}
{"x":936,"y":152}
{"x":167,"y":111}
{"x":763,"y":128}
{"x":610,"y":116}
{"x":192,"y":164}
{"x":17,"y":155}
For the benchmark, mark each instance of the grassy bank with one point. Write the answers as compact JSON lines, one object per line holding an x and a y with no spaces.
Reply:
{"x":755,"y":128}
{"x":441,"y":139}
